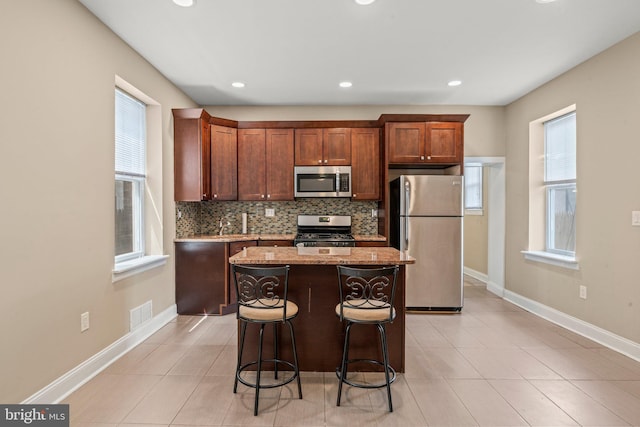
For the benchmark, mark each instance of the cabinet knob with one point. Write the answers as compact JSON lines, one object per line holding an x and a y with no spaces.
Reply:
{"x":421,"y":157}
{"x":262,"y":196}
{"x":355,"y":195}
{"x":268,"y":196}
{"x":320,"y":161}
{"x":215,"y":196}
{"x":325,"y":161}
{"x":428,"y":157}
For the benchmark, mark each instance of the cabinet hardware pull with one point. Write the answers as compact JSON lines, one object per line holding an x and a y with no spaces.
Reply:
{"x":421,"y":157}
{"x":309,"y":300}
{"x":262,"y":196}
{"x":325,"y":161}
{"x":268,"y":196}
{"x":428,"y":157}
{"x":320,"y":161}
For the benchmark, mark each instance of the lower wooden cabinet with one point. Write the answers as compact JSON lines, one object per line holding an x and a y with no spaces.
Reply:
{"x":203,"y":277}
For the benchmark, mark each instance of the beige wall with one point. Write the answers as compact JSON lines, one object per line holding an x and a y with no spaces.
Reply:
{"x":606,"y":91}
{"x":56,"y":167}
{"x":476,"y":233}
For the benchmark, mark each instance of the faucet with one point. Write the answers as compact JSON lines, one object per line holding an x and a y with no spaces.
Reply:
{"x":222,"y":225}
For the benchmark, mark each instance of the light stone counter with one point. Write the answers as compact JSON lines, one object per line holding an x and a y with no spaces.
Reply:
{"x":228,"y":238}
{"x":321,"y":256}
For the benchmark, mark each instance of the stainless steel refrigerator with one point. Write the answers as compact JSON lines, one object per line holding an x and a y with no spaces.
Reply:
{"x":426,"y":215}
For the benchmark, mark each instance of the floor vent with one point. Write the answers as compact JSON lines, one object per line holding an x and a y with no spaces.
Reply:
{"x":140,"y":314}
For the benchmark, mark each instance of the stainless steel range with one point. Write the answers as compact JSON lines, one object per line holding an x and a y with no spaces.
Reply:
{"x":324,"y":230}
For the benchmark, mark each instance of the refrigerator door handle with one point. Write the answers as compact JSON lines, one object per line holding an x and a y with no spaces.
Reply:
{"x":406,"y":233}
{"x":407,"y":199}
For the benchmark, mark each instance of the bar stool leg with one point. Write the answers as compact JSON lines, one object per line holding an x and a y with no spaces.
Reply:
{"x":275,"y":349}
{"x":255,"y":406}
{"x":385,"y":358}
{"x":243,"y":331}
{"x":345,"y":358}
{"x":295,"y":357}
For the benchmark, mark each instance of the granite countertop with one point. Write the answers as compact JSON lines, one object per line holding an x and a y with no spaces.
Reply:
{"x":227,"y":238}
{"x":321,"y":256}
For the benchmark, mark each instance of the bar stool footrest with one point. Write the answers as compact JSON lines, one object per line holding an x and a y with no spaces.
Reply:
{"x":392,"y":374}
{"x":273,"y":385}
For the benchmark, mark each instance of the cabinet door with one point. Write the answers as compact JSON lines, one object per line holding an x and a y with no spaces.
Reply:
{"x":200,"y":277}
{"x":308,"y":147}
{"x":252,"y":164}
{"x":336,"y":147}
{"x":365,"y":163}
{"x":192,"y":167}
{"x":406,"y":142}
{"x":224,"y":163}
{"x":279,"y":164}
{"x":444,"y":142}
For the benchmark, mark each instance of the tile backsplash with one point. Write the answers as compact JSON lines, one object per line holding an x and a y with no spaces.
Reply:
{"x":194,"y":218}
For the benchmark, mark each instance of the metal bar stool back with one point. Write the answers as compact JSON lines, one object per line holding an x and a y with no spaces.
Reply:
{"x":263,"y":299}
{"x":366,"y":297}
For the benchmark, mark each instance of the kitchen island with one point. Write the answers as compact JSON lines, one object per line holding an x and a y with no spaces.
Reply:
{"x":313,"y":286}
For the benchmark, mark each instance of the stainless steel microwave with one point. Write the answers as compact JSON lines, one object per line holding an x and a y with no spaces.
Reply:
{"x":322,"y":181}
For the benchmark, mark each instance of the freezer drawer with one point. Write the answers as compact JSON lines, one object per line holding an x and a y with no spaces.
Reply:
{"x":435,"y":281}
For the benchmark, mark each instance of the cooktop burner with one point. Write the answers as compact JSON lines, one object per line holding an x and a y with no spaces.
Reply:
{"x":327,"y":230}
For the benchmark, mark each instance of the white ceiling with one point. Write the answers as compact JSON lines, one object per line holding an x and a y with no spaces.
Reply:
{"x":295,"y":52}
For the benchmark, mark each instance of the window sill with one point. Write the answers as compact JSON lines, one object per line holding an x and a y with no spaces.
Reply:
{"x":553,"y":259}
{"x":471,"y":212}
{"x":125,"y":269}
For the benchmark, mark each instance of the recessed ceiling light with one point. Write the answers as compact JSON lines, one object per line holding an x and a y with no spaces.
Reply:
{"x":364,"y":2}
{"x":184,"y":3}
{"x":455,"y":83}
{"x":237,"y":84}
{"x":544,"y":1}
{"x":346,"y":84}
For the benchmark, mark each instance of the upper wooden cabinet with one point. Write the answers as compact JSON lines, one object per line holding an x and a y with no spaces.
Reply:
{"x":265,"y":164}
{"x":365,"y":163}
{"x":224,"y":163}
{"x":425,"y":142}
{"x":192,"y":148}
{"x":315,"y":147}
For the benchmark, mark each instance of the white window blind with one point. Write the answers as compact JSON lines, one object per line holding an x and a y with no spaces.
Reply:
{"x":473,"y":187}
{"x":130,"y":135}
{"x":560,"y":149}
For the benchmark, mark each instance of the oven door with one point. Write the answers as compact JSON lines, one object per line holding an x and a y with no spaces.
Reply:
{"x":322,"y":181}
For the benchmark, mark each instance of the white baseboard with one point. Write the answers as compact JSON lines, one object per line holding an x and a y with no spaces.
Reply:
{"x":496,"y":289}
{"x":608,"y":339}
{"x":476,"y":274}
{"x":76,"y":377}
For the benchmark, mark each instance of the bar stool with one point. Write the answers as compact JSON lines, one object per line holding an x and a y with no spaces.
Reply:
{"x":366,"y":297}
{"x":262,"y":299}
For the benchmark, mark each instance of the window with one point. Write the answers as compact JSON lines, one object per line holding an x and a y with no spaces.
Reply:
{"x":560,"y":184}
{"x":553,"y":189}
{"x":473,"y":189}
{"x":130,"y":130}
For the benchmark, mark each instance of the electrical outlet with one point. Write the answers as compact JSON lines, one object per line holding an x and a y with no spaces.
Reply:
{"x":374,"y":213}
{"x":84,"y":321}
{"x":583,"y":292}
{"x":269,"y":212}
{"x":635,"y":218}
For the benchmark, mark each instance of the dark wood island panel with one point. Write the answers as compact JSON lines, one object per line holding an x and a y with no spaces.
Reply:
{"x":313,"y":286}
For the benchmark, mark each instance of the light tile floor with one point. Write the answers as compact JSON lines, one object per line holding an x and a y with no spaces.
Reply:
{"x":494,"y":364}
